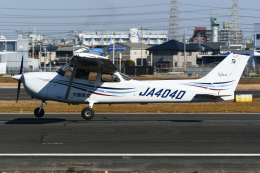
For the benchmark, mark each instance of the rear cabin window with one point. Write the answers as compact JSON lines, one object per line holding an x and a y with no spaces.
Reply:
{"x":109,"y":78}
{"x":92,"y":76}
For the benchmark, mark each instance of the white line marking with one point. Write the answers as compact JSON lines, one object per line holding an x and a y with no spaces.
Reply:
{"x":137,"y":113}
{"x":128,"y":155}
{"x":52,"y":143}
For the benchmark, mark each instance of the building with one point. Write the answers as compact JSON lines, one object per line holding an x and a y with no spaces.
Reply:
{"x":201,"y":35}
{"x":171,"y":54}
{"x":215,"y":34}
{"x":64,"y":54}
{"x":131,"y":51}
{"x":11,"y":53}
{"x":47,"y":54}
{"x":134,"y":35}
{"x":227,"y":34}
{"x":257,"y":36}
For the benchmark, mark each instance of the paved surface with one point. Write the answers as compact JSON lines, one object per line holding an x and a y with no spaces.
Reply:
{"x":256,"y":93}
{"x":10,"y":93}
{"x":131,"y":133}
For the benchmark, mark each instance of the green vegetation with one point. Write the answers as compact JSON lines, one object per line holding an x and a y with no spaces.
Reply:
{"x":129,"y":63}
{"x":71,"y":169}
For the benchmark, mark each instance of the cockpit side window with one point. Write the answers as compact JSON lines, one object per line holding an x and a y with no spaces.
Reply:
{"x":82,"y":74}
{"x":109,"y":78}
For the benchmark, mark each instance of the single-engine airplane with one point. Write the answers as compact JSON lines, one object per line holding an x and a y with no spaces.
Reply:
{"x":92,"y":79}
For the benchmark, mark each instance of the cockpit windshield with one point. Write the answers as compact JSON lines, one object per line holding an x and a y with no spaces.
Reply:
{"x":125,"y":77}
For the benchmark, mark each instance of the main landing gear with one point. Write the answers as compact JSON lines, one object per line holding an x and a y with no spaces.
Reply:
{"x":88,"y":113}
{"x":39,"y":112}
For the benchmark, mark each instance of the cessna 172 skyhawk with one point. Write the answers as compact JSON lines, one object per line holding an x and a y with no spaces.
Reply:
{"x":91,"y":79}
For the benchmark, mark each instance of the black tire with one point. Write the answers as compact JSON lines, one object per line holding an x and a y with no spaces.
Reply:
{"x":88,"y":113}
{"x":38,"y":114}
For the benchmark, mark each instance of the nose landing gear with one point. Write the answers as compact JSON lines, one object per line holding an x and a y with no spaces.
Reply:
{"x":39,"y":112}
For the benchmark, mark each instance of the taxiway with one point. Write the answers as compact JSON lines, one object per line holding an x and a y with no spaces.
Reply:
{"x":131,"y":142}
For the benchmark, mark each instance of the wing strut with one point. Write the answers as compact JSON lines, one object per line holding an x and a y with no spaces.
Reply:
{"x":72,"y":76}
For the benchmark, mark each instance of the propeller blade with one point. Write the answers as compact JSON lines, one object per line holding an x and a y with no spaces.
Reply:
{"x":18,"y":90}
{"x":21,"y":68}
{"x":19,"y":81}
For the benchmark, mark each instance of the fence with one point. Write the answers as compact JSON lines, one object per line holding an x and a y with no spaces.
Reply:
{"x":178,"y":72}
{"x":14,"y":71}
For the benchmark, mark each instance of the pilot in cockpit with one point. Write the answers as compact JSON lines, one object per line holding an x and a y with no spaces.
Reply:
{"x":82,"y":74}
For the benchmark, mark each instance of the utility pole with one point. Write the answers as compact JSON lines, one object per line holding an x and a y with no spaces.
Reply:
{"x":44,"y":47}
{"x":40,"y":56}
{"x":199,"y":40}
{"x":114,"y":49}
{"x":120,"y":59}
{"x":50,"y":61}
{"x":74,"y":34}
{"x":33,"y":48}
{"x":73,"y":42}
{"x":142,"y":46}
{"x":19,"y":32}
{"x":29,"y":39}
{"x":184,"y":41}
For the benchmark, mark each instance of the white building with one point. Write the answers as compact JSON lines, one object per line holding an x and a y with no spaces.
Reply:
{"x":134,"y":35}
{"x":11,"y":53}
{"x":257,"y":36}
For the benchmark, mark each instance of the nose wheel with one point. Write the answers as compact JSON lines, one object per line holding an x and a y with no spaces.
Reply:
{"x":39,"y":112}
{"x":88,"y":113}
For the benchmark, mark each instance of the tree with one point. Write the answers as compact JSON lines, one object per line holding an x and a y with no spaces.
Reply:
{"x":129,"y":63}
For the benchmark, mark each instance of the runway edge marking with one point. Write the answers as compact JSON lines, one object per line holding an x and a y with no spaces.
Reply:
{"x":129,"y":155}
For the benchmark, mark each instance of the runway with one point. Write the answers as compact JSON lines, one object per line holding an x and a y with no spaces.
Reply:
{"x":131,"y":142}
{"x":11,"y":93}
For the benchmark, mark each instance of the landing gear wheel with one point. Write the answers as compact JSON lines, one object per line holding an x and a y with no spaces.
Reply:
{"x":87,"y":113}
{"x":37,"y":113}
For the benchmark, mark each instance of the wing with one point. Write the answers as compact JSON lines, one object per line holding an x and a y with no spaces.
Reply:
{"x":91,"y":62}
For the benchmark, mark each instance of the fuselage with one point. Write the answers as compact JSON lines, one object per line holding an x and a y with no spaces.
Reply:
{"x":53,"y":86}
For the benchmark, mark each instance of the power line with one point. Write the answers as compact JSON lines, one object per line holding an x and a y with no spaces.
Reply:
{"x":84,"y":9}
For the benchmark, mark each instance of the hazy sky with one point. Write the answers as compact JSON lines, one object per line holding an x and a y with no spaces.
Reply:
{"x":58,"y":17}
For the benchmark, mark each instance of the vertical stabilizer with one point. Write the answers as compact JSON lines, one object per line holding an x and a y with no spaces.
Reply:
{"x":225,"y":77}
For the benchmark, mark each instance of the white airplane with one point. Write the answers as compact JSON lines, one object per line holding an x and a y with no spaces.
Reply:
{"x":91,"y":79}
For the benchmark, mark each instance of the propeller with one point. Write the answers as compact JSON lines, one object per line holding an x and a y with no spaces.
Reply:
{"x":20,"y":80}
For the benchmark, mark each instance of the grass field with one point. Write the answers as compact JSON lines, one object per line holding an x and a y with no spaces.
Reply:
{"x":56,"y":107}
